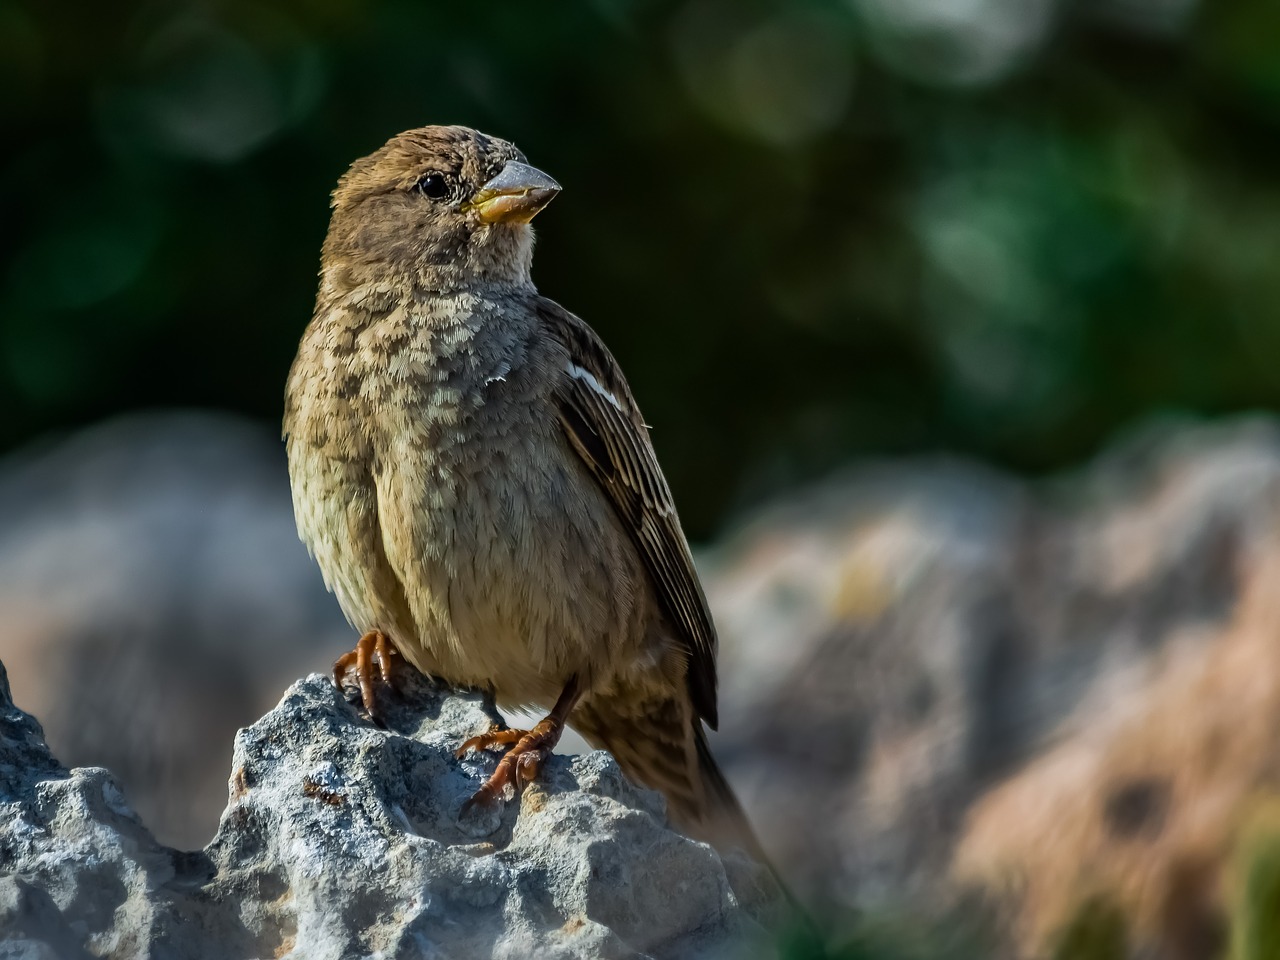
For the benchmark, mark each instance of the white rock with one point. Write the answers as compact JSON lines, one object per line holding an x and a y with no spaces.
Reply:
{"x":341,"y":840}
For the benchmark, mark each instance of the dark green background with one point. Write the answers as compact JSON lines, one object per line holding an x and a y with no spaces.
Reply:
{"x":809,"y":231}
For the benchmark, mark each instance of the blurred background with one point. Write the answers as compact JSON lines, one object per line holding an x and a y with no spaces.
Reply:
{"x":889,"y":278}
{"x":812,"y":230}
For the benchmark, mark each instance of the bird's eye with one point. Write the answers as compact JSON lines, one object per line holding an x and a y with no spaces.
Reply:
{"x":434,"y":186}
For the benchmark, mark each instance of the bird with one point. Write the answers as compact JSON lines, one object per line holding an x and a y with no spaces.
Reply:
{"x":472,"y":473}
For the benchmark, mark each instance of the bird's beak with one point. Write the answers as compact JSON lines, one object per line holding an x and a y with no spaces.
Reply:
{"x":515,"y":195}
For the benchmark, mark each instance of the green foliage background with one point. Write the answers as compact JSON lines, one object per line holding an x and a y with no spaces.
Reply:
{"x":809,"y":230}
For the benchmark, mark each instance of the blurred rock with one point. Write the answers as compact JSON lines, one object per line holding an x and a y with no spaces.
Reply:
{"x":1139,"y":813}
{"x":342,"y":840}
{"x":918,"y":657}
{"x":155,"y":597}
{"x":905,"y":639}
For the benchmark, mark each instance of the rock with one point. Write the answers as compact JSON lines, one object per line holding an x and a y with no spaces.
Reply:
{"x":908,"y":650}
{"x":909,"y":636}
{"x":1143,"y":808}
{"x":155,"y":598}
{"x":342,"y":839}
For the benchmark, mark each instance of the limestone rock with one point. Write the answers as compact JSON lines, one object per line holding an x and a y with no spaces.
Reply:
{"x":908,"y":650}
{"x":342,"y":840}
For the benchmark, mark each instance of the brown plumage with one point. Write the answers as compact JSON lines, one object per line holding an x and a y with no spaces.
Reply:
{"x":474,"y":477}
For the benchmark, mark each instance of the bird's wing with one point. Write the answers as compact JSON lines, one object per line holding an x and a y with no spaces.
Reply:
{"x":603,"y":423}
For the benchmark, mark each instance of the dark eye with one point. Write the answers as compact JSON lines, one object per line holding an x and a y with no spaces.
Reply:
{"x":434,"y":186}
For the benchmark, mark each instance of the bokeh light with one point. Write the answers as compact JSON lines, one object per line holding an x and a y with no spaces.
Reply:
{"x":811,"y":231}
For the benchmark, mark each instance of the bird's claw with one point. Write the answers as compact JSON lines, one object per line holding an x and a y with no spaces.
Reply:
{"x":528,"y":765}
{"x":492,"y":738}
{"x":375,"y":647}
{"x":519,"y":766}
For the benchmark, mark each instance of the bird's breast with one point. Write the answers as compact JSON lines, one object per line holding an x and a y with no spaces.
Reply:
{"x":510,"y":564}
{"x":517,"y":572}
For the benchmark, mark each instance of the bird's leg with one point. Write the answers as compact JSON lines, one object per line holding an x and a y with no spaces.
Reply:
{"x":531,"y":748}
{"x":373,"y":645}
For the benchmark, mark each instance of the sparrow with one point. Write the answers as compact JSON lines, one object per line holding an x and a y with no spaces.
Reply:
{"x":475,"y":479}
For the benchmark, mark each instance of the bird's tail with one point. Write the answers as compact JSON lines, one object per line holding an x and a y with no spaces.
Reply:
{"x":720,"y":821}
{"x":727,"y":826}
{"x":665,"y":748}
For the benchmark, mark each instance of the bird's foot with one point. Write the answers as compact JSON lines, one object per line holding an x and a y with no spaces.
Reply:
{"x":374,"y":645}
{"x":520,"y":764}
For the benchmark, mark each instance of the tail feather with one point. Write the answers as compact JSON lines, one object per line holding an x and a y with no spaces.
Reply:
{"x":723,"y":820}
{"x":663,"y":746}
{"x":729,"y":827}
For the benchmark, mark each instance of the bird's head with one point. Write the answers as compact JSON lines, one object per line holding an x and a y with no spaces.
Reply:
{"x":447,"y":207}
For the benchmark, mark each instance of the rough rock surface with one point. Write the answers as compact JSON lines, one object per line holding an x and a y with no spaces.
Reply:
{"x":344,"y":840}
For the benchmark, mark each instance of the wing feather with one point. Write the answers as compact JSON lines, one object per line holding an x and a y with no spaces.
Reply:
{"x":603,"y":424}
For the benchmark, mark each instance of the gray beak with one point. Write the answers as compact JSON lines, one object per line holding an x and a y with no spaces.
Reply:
{"x":516,"y":195}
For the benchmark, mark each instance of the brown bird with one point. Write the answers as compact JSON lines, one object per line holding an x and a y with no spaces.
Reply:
{"x":474,"y":477}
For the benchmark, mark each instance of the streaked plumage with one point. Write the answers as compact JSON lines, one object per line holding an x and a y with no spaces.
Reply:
{"x":474,"y":477}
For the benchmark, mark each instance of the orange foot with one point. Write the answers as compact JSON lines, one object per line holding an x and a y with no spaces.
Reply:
{"x":373,"y":644}
{"x":531,"y":749}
